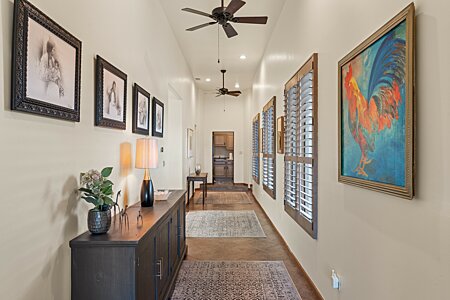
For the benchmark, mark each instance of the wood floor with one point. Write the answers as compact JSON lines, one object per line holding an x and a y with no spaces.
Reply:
{"x":252,"y":249}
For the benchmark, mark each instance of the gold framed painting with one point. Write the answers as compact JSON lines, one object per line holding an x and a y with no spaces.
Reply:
{"x":376,"y":110}
{"x":280,"y":135}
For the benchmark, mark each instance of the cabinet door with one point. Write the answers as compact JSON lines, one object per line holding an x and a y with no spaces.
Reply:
{"x":229,"y":142}
{"x":220,"y":170}
{"x":162,"y":257}
{"x":230,"y":170}
{"x":182,"y":229}
{"x":219,"y":140}
{"x":146,"y":268}
{"x":173,"y":259}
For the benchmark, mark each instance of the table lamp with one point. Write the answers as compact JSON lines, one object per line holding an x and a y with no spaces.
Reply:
{"x":146,"y":158}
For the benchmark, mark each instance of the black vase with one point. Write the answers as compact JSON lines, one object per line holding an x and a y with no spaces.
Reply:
{"x":99,"y":221}
{"x":147,"y":193}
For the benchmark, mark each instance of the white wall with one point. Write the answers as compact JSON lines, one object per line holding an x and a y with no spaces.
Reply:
{"x":41,"y":158}
{"x":224,"y":113}
{"x":383,"y":247}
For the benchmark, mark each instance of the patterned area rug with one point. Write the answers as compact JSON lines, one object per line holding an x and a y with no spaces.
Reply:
{"x":221,"y":280}
{"x":226,"y":187}
{"x":224,"y":198}
{"x":223,"y":223}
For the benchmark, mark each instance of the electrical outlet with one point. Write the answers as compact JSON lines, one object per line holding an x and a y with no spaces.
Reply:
{"x":336,"y":281}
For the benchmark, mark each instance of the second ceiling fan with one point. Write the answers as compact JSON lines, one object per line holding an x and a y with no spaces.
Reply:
{"x":224,"y":91}
{"x":224,"y":15}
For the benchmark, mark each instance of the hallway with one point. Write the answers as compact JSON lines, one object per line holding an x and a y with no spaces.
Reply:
{"x":270,"y":248}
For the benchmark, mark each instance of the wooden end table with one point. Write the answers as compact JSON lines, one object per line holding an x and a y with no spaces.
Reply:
{"x":203,"y":177}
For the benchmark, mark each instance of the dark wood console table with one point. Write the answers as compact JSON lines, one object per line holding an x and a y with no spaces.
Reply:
{"x":139,"y":261}
{"x":203,"y":177}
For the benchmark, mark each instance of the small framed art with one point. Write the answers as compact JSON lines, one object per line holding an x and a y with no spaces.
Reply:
{"x":111,"y":95}
{"x":157,"y":118}
{"x":141,"y":110}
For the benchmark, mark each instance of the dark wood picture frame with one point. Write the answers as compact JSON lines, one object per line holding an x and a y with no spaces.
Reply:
{"x":23,"y":12}
{"x":137,"y":89}
{"x":406,"y":191}
{"x":100,"y":120}
{"x":155,"y":117}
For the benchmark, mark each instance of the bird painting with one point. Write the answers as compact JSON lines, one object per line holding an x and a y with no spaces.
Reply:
{"x":373,"y":111}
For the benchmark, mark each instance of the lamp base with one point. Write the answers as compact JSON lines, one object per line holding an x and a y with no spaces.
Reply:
{"x":147,"y":193}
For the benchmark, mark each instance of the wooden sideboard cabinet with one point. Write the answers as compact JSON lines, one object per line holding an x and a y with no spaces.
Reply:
{"x":139,"y":261}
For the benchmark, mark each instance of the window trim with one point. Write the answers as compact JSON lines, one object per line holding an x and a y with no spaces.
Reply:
{"x":271,"y":103}
{"x":256,"y":153}
{"x":310,"y":65}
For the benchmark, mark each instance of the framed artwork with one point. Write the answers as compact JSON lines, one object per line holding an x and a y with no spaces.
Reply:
{"x":110,"y":95}
{"x":190,"y":142}
{"x":157,"y":118}
{"x":280,"y":135}
{"x":376,"y":110}
{"x":141,"y":110}
{"x":46,"y":65}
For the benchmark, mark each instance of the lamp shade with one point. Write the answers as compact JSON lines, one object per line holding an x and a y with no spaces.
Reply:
{"x":146,"y":153}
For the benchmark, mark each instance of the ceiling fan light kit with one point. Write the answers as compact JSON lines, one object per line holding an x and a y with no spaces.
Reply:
{"x":223,"y":15}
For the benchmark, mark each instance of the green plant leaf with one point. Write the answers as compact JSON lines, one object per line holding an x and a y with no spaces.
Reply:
{"x":107,"y":190}
{"x":107,"y":183}
{"x":107,"y":171}
{"x":108,"y":201}
{"x":85,"y":190}
{"x":92,"y":200}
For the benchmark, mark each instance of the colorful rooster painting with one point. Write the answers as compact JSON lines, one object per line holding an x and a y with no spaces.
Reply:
{"x":373,"y":111}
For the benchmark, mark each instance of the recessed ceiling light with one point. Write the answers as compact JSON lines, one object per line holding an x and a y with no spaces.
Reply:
{"x":237,"y":85}
{"x":243,"y":57}
{"x":208,"y":79}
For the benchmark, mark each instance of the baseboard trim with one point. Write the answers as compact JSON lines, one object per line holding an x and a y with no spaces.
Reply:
{"x":291,"y":254}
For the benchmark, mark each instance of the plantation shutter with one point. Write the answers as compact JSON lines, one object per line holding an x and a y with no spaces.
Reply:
{"x":269,"y":155}
{"x":255,"y":149}
{"x":300,"y":164}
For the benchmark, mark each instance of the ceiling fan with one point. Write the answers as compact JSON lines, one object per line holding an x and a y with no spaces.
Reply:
{"x":224,"y":91}
{"x":223,"y":15}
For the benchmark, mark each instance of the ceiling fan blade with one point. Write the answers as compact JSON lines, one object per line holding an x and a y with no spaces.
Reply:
{"x":234,"y":93}
{"x":200,"y":26}
{"x":229,"y":30}
{"x":234,"y":6}
{"x":197,"y":12}
{"x":250,"y":20}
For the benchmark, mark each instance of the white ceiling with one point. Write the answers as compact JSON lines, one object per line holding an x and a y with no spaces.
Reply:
{"x":200,"y":47}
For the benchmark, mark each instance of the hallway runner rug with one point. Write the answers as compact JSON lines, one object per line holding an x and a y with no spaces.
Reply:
{"x":223,"y":224}
{"x":224,"y":198}
{"x":226,"y":280}
{"x":226,"y":187}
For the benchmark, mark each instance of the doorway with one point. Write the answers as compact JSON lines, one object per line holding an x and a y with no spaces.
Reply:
{"x":223,"y":157}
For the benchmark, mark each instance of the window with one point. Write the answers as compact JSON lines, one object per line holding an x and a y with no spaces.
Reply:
{"x":269,"y":153}
{"x":300,"y":158}
{"x":255,"y":148}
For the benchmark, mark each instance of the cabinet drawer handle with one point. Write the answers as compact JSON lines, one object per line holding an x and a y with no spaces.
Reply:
{"x":160,"y":263}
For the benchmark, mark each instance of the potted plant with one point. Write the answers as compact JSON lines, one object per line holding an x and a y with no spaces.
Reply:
{"x":98,"y":190}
